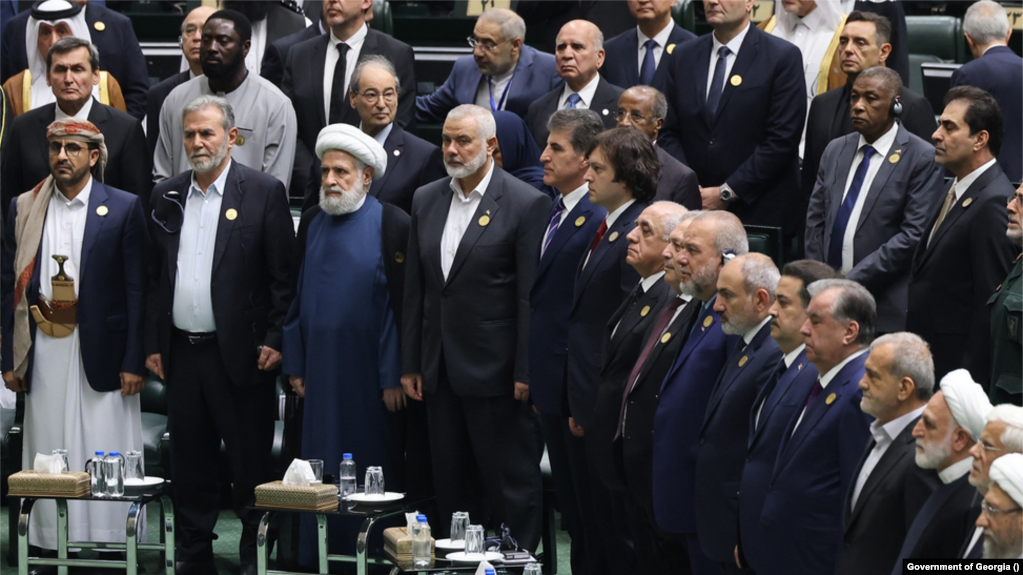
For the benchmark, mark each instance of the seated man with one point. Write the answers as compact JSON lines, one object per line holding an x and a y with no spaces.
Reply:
{"x":502,"y":73}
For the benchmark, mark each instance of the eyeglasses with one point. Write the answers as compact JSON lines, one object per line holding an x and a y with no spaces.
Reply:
{"x":72,"y":149}
{"x":636,"y":117}
{"x":486,"y":45}
{"x":991,"y":448}
{"x":1013,"y":196}
{"x":992,"y":511}
{"x":371,"y":97}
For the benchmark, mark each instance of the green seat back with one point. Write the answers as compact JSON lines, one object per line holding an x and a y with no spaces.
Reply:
{"x":940,"y":36}
{"x":382,"y":18}
{"x":768,"y":241}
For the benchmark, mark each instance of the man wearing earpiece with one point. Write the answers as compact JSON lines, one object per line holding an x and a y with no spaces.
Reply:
{"x":875,"y":190}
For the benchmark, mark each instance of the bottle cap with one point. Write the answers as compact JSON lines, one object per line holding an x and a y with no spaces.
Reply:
{"x":114,"y":454}
{"x":490,"y":572}
{"x":99,"y":453}
{"x":346,"y":456}
{"x":421,"y":518}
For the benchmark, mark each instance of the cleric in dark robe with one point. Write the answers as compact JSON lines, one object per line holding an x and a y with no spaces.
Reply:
{"x":341,"y":335}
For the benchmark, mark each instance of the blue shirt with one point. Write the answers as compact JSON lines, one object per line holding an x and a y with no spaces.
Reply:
{"x":193,"y":304}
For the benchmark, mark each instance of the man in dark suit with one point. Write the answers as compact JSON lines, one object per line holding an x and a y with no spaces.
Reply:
{"x":276,"y":54}
{"x":465,"y":344}
{"x":945,"y":433}
{"x":72,"y":71}
{"x":874,"y":194}
{"x":218,"y":336}
{"x":114,"y":37}
{"x":745,"y":293}
{"x":776,"y":403}
{"x":318,"y":72}
{"x":737,"y":104}
{"x":642,"y":55}
{"x":579,"y":54}
{"x":271,"y":21}
{"x":864,"y":43}
{"x":191,"y":44}
{"x":996,"y":69}
{"x":644,"y":108}
{"x":889,"y":488}
{"x":572,"y":225}
{"x":687,"y":385}
{"x":967,"y":234}
{"x":502,"y":73}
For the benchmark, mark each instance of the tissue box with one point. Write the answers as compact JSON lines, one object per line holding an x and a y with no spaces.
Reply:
{"x":398,"y":544}
{"x":32,"y":484}
{"x":301,"y":498}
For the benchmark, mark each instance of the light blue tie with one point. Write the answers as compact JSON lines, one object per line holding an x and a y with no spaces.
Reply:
{"x":573,"y":101}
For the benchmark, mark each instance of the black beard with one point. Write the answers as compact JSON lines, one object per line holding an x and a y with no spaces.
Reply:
{"x":219,"y":71}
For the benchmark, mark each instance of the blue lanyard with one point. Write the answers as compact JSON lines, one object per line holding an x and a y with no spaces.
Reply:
{"x":490,"y":83}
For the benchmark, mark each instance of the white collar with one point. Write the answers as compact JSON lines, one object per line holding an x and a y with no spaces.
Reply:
{"x":610,"y":219}
{"x":82,"y":197}
{"x":827,"y":377}
{"x":892,"y":429}
{"x":791,"y":356}
{"x":956,"y":470}
{"x":353,"y":42}
{"x":749,"y":335}
{"x":217,"y":186}
{"x":572,"y":198}
{"x":82,"y":114}
{"x":661,"y":37}
{"x":480,"y":188}
{"x":883,"y":143}
{"x":586,"y":93}
{"x":506,"y":76}
{"x":648,"y":282}
{"x":965,"y":183}
{"x":813,"y":20}
{"x":733,"y":45}
{"x":381,"y":136}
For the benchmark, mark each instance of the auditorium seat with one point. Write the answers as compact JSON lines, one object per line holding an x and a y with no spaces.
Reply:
{"x":382,"y":20}
{"x":768,"y":241}
{"x":940,"y":36}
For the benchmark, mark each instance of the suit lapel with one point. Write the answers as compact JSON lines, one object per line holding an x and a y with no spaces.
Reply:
{"x":395,"y":142}
{"x":701,"y":67}
{"x":837,"y":189}
{"x":884,"y":467}
{"x":566,"y":230}
{"x":319,"y":63}
{"x":747,"y":55}
{"x":960,"y":207}
{"x":489,"y":207}
{"x":232,"y":200}
{"x":696,"y":336}
{"x":886,"y":170}
{"x":676,"y":328}
{"x":631,"y":57}
{"x":840,"y":118}
{"x":771,"y":398}
{"x":603,"y":98}
{"x":734,"y":367}
{"x":614,"y":234}
{"x":44,"y":121}
{"x":520,"y":80}
{"x":93,"y":222}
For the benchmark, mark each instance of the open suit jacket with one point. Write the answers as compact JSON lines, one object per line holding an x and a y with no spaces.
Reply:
{"x":479,"y":316}
{"x":677,"y":182}
{"x":723,"y":440}
{"x":945,"y":519}
{"x":605,"y":103}
{"x":111,"y":287}
{"x":251,"y":278}
{"x":550,"y":303}
{"x":966,"y":260}
{"x":801,"y":521}
{"x":621,"y":60}
{"x":276,"y":53}
{"x":895,"y":212}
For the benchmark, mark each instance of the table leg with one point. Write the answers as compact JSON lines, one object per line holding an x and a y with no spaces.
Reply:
{"x":62,"y":533}
{"x":261,"y":547}
{"x":167,"y":533}
{"x":131,"y":543}
{"x":362,"y":547}
{"x":321,"y":544}
{"x":26,"y":510}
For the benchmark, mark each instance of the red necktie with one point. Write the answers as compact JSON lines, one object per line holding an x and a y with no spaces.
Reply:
{"x":600,"y":235}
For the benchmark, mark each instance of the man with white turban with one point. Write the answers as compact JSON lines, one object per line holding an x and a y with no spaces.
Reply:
{"x":949,"y":426}
{"x":1002,"y":517}
{"x":341,"y":335}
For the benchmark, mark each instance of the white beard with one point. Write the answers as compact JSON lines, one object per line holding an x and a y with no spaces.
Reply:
{"x":466,"y":170}
{"x":203,"y":164}
{"x":346,"y":203}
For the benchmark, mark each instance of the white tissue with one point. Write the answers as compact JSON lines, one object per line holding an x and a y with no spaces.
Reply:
{"x":411,"y":522}
{"x":299,"y":473}
{"x":48,"y":463}
{"x":483,"y":566}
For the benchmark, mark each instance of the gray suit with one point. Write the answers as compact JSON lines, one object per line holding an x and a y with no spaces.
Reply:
{"x":894,"y":217}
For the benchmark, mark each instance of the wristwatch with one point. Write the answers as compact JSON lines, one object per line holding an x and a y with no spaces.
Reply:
{"x":727,"y":195}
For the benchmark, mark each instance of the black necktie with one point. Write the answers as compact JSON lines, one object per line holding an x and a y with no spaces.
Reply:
{"x":337,"y":87}
{"x":717,"y":82}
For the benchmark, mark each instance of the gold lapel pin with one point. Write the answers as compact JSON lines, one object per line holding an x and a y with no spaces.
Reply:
{"x":646,"y":310}
{"x":736,"y":80}
{"x":670,"y":48}
{"x":613,"y":237}
{"x":894,"y":158}
{"x":580,"y":221}
{"x":665,"y":337}
{"x":967,"y":203}
{"x":707,"y":321}
{"x":240,"y":140}
{"x":743,"y":360}
{"x":399,"y":257}
{"x":100,"y":26}
{"x":231,"y":214}
{"x":484,"y":220}
{"x":830,"y":399}
{"x":102,"y":211}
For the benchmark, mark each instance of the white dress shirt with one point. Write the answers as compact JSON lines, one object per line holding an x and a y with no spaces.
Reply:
{"x":956,"y":470}
{"x":686,"y":298}
{"x":734,"y":44}
{"x":960,"y":187}
{"x":585,"y":95}
{"x":501,"y":84}
{"x":192,"y":309}
{"x":881,"y":147}
{"x":661,"y":39}
{"x":63,"y":234}
{"x":610,"y":219}
{"x":571,"y":200}
{"x":82,"y":114}
{"x":460,"y":218}
{"x":752,"y":332}
{"x":884,"y":435}
{"x":826,"y":379}
{"x":351,"y":59}
{"x":789,"y":359}
{"x":812,"y":35}
{"x":381,"y":136}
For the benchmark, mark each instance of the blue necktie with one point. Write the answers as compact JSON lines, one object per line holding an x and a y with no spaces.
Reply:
{"x":555,"y":222}
{"x":718,"y":83}
{"x":845,"y":211}
{"x":646,"y":71}
{"x":573,"y":101}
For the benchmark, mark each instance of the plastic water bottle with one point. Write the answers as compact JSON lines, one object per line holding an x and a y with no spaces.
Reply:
{"x":346,"y":476}
{"x":94,"y":467}
{"x":422,"y":544}
{"x":113,"y":474}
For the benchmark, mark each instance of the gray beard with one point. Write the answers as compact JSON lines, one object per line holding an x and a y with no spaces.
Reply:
{"x":346,"y":203}
{"x":203,"y":164}
{"x":468,"y":169}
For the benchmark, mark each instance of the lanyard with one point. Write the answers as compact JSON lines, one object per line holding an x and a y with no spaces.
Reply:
{"x":490,"y":83}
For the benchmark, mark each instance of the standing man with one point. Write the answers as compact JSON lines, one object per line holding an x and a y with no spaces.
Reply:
{"x":813,"y":27}
{"x":874,"y":194}
{"x":735,"y":115}
{"x":950,"y":424}
{"x":644,"y":108}
{"x":502,"y":74}
{"x":686,"y":389}
{"x":572,"y":225}
{"x":635,"y":56}
{"x":889,"y":489}
{"x":220,"y":287}
{"x":997,"y":70}
{"x":276,"y":54}
{"x":1006,"y":307}
{"x":75,"y":349}
{"x":1001,"y":518}
{"x":471,"y":257}
{"x":579,"y":54}
{"x":266,"y":120}
{"x":966,"y":233}
{"x":777,"y":402}
{"x":271,"y":21}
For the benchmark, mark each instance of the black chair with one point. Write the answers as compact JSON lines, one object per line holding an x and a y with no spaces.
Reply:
{"x":768,"y":241}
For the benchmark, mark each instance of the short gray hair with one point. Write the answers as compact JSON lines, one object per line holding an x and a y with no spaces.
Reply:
{"x":69,"y":43}
{"x":759,"y":272}
{"x":911,"y":357}
{"x":689,"y":215}
{"x":728,"y":232}
{"x":486,"y":126}
{"x":211,"y":101}
{"x":891,"y":82}
{"x":373,"y":60}
{"x":660,"y":102}
{"x":512,"y":25}
{"x":853,"y":303}
{"x":986,"y":22}
{"x":1012,"y":416}
{"x":672,"y":217}
{"x":583,"y":125}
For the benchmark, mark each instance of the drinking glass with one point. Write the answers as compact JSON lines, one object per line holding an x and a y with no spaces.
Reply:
{"x":374,"y":481}
{"x":133,"y":468}
{"x":533,"y":568}
{"x":459,"y":521}
{"x":317,"y":466}
{"x":475,"y":540}
{"x":65,"y":467}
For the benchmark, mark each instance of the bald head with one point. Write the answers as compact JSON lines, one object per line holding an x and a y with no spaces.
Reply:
{"x":579,"y":53}
{"x":643,"y":108}
{"x":191,"y":35}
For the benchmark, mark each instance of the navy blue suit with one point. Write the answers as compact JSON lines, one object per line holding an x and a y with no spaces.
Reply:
{"x":801,"y":522}
{"x":114,"y":38}
{"x":411,"y":163}
{"x":723,"y":440}
{"x":111,"y":287}
{"x":1000,"y":72}
{"x":781,"y":398}
{"x":621,"y":60}
{"x":752,"y":143}
{"x":276,"y":53}
{"x":535,"y":75}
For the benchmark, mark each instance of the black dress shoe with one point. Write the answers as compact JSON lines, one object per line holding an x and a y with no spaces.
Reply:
{"x":194,"y":568}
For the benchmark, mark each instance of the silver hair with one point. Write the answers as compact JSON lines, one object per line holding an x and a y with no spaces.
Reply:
{"x":891,"y":82}
{"x":1012,"y":416}
{"x":377,"y":61}
{"x":853,"y":303}
{"x":69,"y":43}
{"x":689,"y":215}
{"x":986,"y":22}
{"x":760,"y":273}
{"x":660,"y":102}
{"x":512,"y":25}
{"x":673,"y":214}
{"x":911,"y":357}
{"x":728,"y":233}
{"x":486,"y":127}
{"x":583,"y":126}
{"x":207,"y":101}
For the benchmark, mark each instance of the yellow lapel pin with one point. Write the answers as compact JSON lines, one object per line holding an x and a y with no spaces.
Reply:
{"x":736,"y":80}
{"x":743,"y":360}
{"x":399,"y":257}
{"x":707,"y":321}
{"x":646,"y":310}
{"x":231,"y":214}
{"x":580,"y":221}
{"x":967,"y":203}
{"x":100,"y":26}
{"x":665,"y":337}
{"x":102,"y":211}
{"x":484,"y":220}
{"x":894,"y":158}
{"x":670,"y":48}
{"x":614,"y":236}
{"x":830,"y":399}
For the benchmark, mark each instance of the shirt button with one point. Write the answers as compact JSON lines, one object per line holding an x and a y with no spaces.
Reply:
{"x":200,"y":253}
